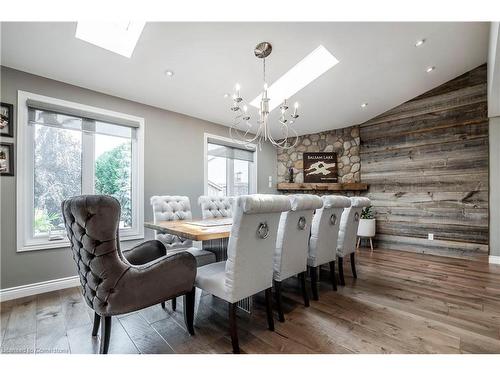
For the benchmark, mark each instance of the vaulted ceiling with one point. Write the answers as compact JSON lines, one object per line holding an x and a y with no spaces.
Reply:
{"x":379,"y":64}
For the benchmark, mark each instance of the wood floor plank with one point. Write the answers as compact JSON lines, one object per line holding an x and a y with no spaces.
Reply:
{"x":22,"y":320}
{"x":145,"y":337}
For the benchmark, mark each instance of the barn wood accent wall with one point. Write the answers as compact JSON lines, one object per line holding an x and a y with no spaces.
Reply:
{"x":426,"y":164}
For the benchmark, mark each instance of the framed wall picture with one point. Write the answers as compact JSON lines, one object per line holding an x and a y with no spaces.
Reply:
{"x":6,"y":120}
{"x":320,"y":167}
{"x":6,"y":159}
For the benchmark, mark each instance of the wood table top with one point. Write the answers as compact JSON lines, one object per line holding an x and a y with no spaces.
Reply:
{"x":196,"y":230}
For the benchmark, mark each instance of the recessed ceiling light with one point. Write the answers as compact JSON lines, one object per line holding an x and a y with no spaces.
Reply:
{"x":117,"y":37}
{"x":303,"y":73}
{"x":226,"y":95}
{"x":364,"y":105}
{"x":169,"y":73}
{"x":430,"y":69}
{"x":419,"y":42}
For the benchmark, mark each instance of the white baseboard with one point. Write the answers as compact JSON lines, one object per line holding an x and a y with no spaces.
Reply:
{"x":494,"y":259}
{"x":38,"y":288}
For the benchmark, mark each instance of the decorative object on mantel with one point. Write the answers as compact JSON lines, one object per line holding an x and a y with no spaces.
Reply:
{"x":353,"y":186}
{"x":241,"y":128}
{"x":366,"y":228}
{"x":6,"y":159}
{"x":290,"y":175}
{"x":320,"y":167}
{"x":6,"y":120}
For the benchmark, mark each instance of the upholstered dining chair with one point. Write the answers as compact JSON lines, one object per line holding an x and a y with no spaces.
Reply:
{"x":116,"y":283}
{"x":249,"y":266}
{"x":348,"y":231}
{"x":323,"y":240}
{"x":175,"y":207}
{"x":290,"y":256}
{"x":213,"y":206}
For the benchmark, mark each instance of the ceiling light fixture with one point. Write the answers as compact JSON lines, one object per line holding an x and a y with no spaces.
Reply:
{"x":169,"y":73}
{"x":364,"y":105}
{"x":303,"y":73}
{"x":430,"y":69}
{"x":117,"y":37}
{"x":419,"y":42}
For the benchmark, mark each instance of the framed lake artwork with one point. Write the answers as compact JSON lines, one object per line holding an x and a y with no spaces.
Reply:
{"x":6,"y":159}
{"x":320,"y":167}
{"x":6,"y":120}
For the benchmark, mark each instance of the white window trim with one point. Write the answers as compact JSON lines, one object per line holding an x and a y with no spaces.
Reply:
{"x":25,"y":172}
{"x":253,"y":183}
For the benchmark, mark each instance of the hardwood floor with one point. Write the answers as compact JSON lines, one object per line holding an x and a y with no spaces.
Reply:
{"x":401,"y":303}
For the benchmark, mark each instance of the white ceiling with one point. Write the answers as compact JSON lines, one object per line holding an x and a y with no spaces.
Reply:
{"x":379,"y":64}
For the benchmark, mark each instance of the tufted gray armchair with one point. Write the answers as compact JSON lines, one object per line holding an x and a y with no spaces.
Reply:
{"x":117,"y":283}
{"x":213,"y":207}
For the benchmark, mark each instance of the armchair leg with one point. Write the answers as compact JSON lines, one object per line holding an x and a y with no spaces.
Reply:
{"x":277,"y":294}
{"x":353,"y":266}
{"x":332,"y":275}
{"x":163,"y":305}
{"x":302,"y":277}
{"x":233,"y":330}
{"x":97,"y":321}
{"x":189,"y":310}
{"x":269,"y":308}
{"x":314,"y":282}
{"x":105,"y":335}
{"x":174,"y":303}
{"x":341,"y":271}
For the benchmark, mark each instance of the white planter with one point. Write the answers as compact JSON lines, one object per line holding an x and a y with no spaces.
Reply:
{"x":366,"y":228}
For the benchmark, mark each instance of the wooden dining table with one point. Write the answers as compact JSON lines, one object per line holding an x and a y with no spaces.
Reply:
{"x":213,"y":233}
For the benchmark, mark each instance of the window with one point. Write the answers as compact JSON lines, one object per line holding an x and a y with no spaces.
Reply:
{"x":229,"y":168}
{"x":67,"y":149}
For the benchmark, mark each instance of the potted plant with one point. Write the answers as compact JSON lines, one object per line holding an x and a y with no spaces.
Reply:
{"x":366,"y":228}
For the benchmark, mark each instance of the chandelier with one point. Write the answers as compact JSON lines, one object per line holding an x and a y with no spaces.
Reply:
{"x":242,"y":126}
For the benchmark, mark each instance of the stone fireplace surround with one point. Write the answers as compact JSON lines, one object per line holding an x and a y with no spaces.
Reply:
{"x":345,"y":142}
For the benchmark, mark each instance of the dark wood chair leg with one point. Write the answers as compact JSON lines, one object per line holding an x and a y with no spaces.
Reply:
{"x":314,"y":282}
{"x":269,"y":308}
{"x":174,"y":303}
{"x":332,"y":275}
{"x":233,"y":329}
{"x":353,"y":266}
{"x":302,"y":277}
{"x":341,"y":271}
{"x":105,"y":335}
{"x":97,"y":321}
{"x":189,"y":310}
{"x":277,"y":294}
{"x":162,"y":305}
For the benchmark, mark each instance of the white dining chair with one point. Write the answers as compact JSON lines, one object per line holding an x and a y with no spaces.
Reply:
{"x":248,"y":269}
{"x":292,"y":244}
{"x":175,"y":207}
{"x":215,"y":206}
{"x":348,"y":233}
{"x":323,"y":240}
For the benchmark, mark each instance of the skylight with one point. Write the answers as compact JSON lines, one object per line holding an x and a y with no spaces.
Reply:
{"x":303,"y":73}
{"x":117,"y":37}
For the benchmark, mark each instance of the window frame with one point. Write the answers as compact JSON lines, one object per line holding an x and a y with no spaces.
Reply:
{"x":25,"y":173}
{"x":252,"y":183}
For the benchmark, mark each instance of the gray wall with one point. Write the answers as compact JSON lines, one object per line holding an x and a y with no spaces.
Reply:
{"x":173,"y":164}
{"x":494,"y":132}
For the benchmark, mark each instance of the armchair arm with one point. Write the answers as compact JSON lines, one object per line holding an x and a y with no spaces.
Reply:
{"x":145,"y":252}
{"x":151,"y":283}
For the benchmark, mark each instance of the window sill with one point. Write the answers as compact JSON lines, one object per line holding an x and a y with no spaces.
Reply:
{"x":52,"y":245}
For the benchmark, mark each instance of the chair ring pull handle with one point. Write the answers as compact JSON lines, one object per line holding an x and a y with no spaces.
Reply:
{"x":302,"y":223}
{"x":356,"y":217}
{"x":333,"y":219}
{"x":263,"y":231}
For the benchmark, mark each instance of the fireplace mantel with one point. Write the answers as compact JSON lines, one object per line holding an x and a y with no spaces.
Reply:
{"x":355,"y":186}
